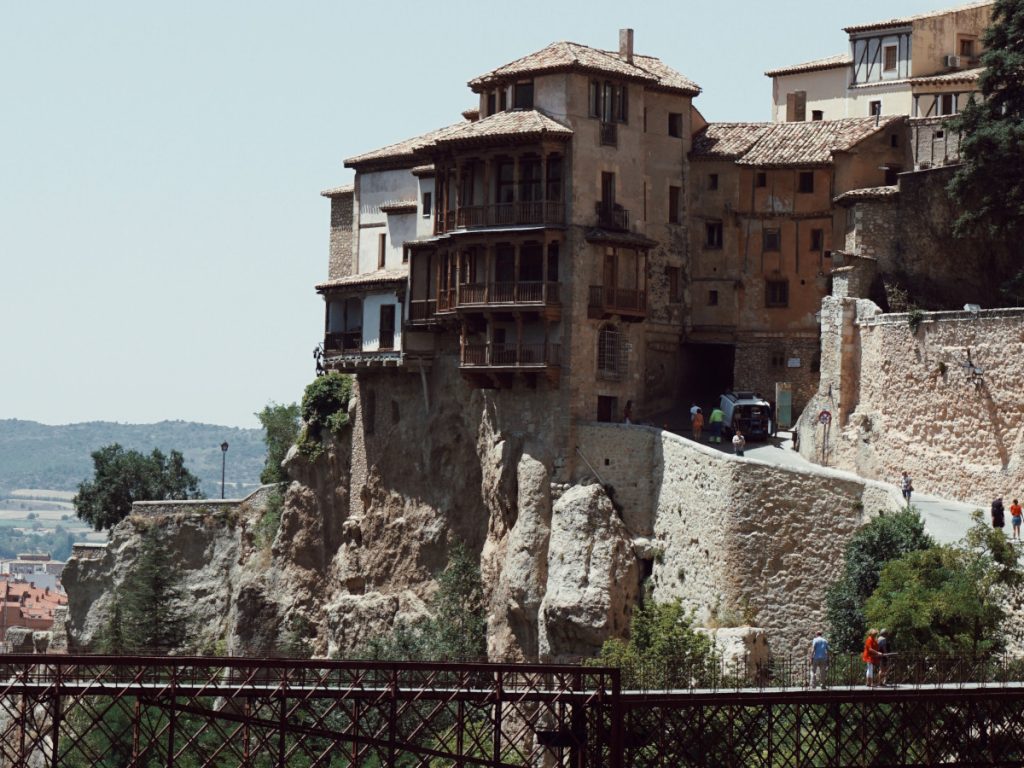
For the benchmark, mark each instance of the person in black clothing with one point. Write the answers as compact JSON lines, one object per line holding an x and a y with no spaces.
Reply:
{"x":998,"y":519}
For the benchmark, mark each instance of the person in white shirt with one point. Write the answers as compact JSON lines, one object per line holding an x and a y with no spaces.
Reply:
{"x":738,"y":443}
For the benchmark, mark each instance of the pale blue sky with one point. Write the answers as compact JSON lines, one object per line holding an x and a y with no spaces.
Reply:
{"x":160,"y":163}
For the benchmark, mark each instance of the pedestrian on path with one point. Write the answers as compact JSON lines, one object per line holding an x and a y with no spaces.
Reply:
{"x":1015,"y":515}
{"x":819,"y":660}
{"x":883,"y":655}
{"x":738,"y":443}
{"x":906,"y":486}
{"x":998,"y":514}
{"x":715,"y":422}
{"x":698,"y":424}
{"x":871,"y":656}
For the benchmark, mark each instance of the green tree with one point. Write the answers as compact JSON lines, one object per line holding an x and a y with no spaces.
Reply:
{"x":325,"y":403}
{"x":147,"y":603}
{"x":280,"y":432}
{"x":989,"y":185}
{"x":948,"y":599}
{"x":887,"y":537}
{"x":121,"y":477}
{"x":663,"y":650}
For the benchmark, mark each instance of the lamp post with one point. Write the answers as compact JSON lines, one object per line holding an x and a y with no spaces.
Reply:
{"x":223,"y":464}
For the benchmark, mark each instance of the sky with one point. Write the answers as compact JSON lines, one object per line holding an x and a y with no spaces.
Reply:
{"x":161,"y":228}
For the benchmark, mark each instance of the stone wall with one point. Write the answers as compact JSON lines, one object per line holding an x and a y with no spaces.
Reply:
{"x":933,"y":144}
{"x":905,"y":399}
{"x":342,"y":238}
{"x":737,"y":540}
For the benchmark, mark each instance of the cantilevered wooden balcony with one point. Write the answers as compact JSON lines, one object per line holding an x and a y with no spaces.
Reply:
{"x":422,"y":311}
{"x":520,"y":295}
{"x":628,"y":303}
{"x":546,"y":213}
{"x":491,"y":363}
{"x":343,"y":352}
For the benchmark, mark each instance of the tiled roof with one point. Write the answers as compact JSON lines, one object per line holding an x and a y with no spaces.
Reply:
{"x":504,"y":125}
{"x":367,"y":279}
{"x":347,"y":189}
{"x":473,"y":113}
{"x":948,"y":78}
{"x":423,"y":170}
{"x":566,"y":56}
{"x":399,"y":206}
{"x":903,"y":21}
{"x":402,"y":153}
{"x":768,"y":145}
{"x":830,"y":62}
{"x":867,"y":193}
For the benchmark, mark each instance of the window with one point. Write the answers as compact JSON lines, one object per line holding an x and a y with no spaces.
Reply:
{"x":891,"y":54}
{"x":875,"y":108}
{"x":967,"y":47}
{"x":405,"y":255}
{"x":712,"y":298}
{"x":892,"y":173}
{"x":947,"y":104}
{"x":817,"y":114}
{"x":522,"y":95}
{"x":382,"y":246}
{"x":530,"y":179}
{"x":675,"y":289}
{"x":609,"y":101}
{"x":491,"y":104}
{"x":776,"y":293}
{"x":894,"y":140}
{"x":817,"y":240}
{"x":713,"y":235}
{"x":554,"y":185}
{"x":607,"y":190}
{"x":609,"y":348}
{"x":427,"y":201}
{"x":777,"y":358}
{"x":505,"y":183}
{"x":673,"y":204}
{"x":760,"y":179}
{"x":502,"y":99}
{"x":806,"y":182}
{"x":771,"y":240}
{"x":552,"y":262}
{"x":675,"y":124}
{"x":712,"y":181}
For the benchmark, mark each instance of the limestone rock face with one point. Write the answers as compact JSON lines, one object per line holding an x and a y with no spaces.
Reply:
{"x":592,"y":576}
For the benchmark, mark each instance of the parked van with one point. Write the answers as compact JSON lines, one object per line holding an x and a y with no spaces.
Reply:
{"x":748,"y":411}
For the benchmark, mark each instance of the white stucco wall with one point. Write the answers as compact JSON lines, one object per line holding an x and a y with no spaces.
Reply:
{"x":371,"y":320}
{"x":373,"y":190}
{"x":826,"y":90}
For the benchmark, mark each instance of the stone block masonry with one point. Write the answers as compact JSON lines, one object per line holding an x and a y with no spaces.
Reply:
{"x":739,"y":541}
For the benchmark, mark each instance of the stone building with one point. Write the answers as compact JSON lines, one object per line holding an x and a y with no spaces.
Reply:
{"x":764,"y":237}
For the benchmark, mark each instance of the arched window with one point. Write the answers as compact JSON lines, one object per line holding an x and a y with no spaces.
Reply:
{"x":610,"y":361}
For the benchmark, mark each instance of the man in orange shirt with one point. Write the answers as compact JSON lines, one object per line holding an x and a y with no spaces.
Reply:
{"x":1015,"y":519}
{"x":871,"y":656}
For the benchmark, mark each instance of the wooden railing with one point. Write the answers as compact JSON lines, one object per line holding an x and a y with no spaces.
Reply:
{"x":618,"y":300}
{"x":422,"y":310}
{"x":537,"y":212}
{"x":613,"y":217}
{"x":493,"y":355}
{"x":343,"y":342}
{"x":521,"y":292}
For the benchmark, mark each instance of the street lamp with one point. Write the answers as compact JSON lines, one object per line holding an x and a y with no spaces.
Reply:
{"x":223,"y":464}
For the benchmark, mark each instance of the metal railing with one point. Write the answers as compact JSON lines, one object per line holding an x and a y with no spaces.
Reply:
{"x":618,"y":300}
{"x":609,"y":134}
{"x":494,"y":355}
{"x":345,"y":342}
{"x":612,"y":217}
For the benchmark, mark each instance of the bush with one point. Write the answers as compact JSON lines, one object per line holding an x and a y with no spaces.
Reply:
{"x":324,"y":406}
{"x":267,"y":526}
{"x":280,"y":430}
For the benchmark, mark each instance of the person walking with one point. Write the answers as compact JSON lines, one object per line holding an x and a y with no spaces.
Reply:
{"x":1015,"y":516}
{"x":998,"y":513}
{"x":715,"y":422}
{"x":906,"y":486}
{"x":870,"y":656}
{"x":883,"y":655}
{"x":819,"y":660}
{"x":698,"y":424}
{"x":738,"y":442}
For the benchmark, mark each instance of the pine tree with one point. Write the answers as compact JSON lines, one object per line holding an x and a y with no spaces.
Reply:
{"x":148,"y":600}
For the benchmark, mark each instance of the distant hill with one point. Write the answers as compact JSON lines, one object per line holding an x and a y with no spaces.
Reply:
{"x":34,"y":455}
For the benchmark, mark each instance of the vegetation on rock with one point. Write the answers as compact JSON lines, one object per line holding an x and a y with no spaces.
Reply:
{"x":280,"y":431}
{"x":324,"y":407}
{"x":121,"y":477}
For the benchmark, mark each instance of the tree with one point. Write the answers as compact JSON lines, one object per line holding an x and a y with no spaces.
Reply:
{"x":887,"y":537}
{"x":147,"y":601}
{"x":988,"y":187}
{"x":121,"y":477}
{"x":948,"y":599}
{"x":280,"y":431}
{"x":325,"y":403}
{"x":663,"y":650}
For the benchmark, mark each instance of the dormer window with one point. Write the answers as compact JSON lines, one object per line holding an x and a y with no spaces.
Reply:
{"x":522,"y":97}
{"x":609,"y":102}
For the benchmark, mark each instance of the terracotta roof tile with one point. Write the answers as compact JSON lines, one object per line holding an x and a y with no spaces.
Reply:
{"x":399,"y":206}
{"x":829,"y":62}
{"x":401,"y":152}
{"x":566,"y":56}
{"x":867,"y":193}
{"x":347,"y":189}
{"x":504,"y":125}
{"x":948,"y":78}
{"x":367,"y":279}
{"x":903,"y":21}
{"x":423,"y":170}
{"x":768,"y":145}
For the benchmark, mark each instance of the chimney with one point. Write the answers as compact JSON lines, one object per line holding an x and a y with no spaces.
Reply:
{"x":626,"y":44}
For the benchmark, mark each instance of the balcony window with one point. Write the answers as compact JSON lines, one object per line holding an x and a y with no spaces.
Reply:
{"x":522,"y":95}
{"x":530,"y":179}
{"x":505,"y":183}
{"x":609,"y":101}
{"x":554,"y":181}
{"x":776,"y":293}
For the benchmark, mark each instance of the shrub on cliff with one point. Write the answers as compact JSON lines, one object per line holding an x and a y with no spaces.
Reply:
{"x":324,"y":406}
{"x":121,"y":477}
{"x":887,"y":537}
{"x":280,"y":431}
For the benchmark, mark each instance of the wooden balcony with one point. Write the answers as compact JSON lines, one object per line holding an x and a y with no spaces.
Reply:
{"x":628,"y":303}
{"x":422,"y":311}
{"x":517,"y":295}
{"x":491,"y":364}
{"x":611,"y":217}
{"x":547,"y":213}
{"x":344,"y":342}
{"x":343,"y":352}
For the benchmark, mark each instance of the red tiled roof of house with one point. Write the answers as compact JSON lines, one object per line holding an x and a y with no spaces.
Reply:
{"x":567,"y":56}
{"x":829,"y":62}
{"x":949,"y":78}
{"x":866,"y":193}
{"x":346,"y":189}
{"x":402,"y":153}
{"x":903,"y":21}
{"x":778,"y":145}
{"x":516,"y":124}
{"x":367,"y":279}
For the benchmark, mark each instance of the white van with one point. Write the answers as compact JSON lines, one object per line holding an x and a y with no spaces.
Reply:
{"x":748,"y":411}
